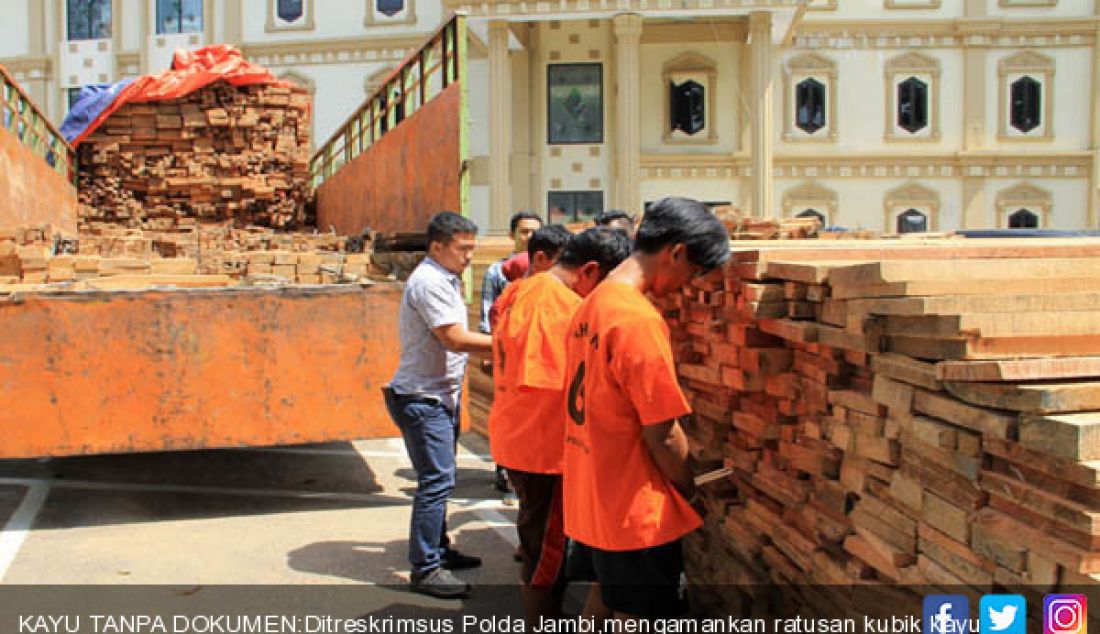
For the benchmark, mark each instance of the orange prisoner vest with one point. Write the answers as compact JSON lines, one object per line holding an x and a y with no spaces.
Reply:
{"x":621,"y":376}
{"x":526,"y":423}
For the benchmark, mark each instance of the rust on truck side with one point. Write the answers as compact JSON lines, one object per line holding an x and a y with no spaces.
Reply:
{"x":405,"y":177}
{"x":36,"y":165}
{"x":402,"y":156}
{"x":111,"y":372}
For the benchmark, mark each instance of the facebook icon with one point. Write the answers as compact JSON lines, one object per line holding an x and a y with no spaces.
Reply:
{"x":946,"y":614}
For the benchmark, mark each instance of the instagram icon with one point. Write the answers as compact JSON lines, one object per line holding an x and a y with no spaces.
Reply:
{"x":1065,"y":614}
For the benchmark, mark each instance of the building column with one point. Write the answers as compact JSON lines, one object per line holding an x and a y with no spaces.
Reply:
{"x":760,"y":43}
{"x":1093,"y":217}
{"x":500,"y":128}
{"x":975,"y":210}
{"x":628,"y":147}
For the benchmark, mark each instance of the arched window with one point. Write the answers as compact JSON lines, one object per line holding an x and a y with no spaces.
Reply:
{"x":289,"y":10}
{"x":1023,"y":219}
{"x":912,"y":97}
{"x":687,"y":106}
{"x":389,"y":8}
{"x":912,"y":105}
{"x":810,"y":105}
{"x":1026,"y":96}
{"x":912,"y":221}
{"x":1024,"y":206}
{"x":1027,"y":103}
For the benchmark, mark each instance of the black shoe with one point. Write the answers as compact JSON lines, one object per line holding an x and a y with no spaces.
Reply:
{"x":439,"y":583}
{"x":454,"y":560}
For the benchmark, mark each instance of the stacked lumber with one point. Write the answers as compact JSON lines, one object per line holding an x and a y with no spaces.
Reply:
{"x":918,"y":414}
{"x":220,"y":153}
{"x":744,"y":227}
{"x":39,"y":270}
{"x":132,"y":258}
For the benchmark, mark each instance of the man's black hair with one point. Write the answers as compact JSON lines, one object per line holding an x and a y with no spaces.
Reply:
{"x":685,"y":221}
{"x":446,"y":224}
{"x":550,"y":239}
{"x":521,"y":215}
{"x":611,"y":215}
{"x":604,"y":245}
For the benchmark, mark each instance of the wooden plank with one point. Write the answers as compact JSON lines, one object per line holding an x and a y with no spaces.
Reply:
{"x":881,"y":559}
{"x":835,"y":313}
{"x":907,"y":492}
{"x":1045,"y":524}
{"x":889,"y":249}
{"x":1072,"y":367}
{"x":984,"y":421}
{"x":995,"y":536}
{"x":950,"y":305}
{"x":965,"y":287}
{"x":840,"y":338}
{"x":941,"y":458}
{"x":762,"y":292}
{"x":1074,"y":437}
{"x":895,"y":395}
{"x":859,"y":401}
{"x":933,"y":432}
{"x":994,"y":347}
{"x":945,"y":517}
{"x":805,"y":272}
{"x":906,"y":369}
{"x":948,"y":484}
{"x":955,"y":556}
{"x":766,"y":360}
{"x":887,"y":271}
{"x":1083,"y":473}
{"x":790,"y":330}
{"x":993,"y":324}
{"x":1076,"y":516}
{"x":1036,"y":398}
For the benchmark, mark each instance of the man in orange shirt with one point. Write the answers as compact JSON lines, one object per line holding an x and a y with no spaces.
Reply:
{"x":527,"y":421}
{"x":626,"y":481}
{"x":542,"y":252}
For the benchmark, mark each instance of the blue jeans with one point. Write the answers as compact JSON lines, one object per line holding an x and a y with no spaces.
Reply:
{"x":430,"y":431}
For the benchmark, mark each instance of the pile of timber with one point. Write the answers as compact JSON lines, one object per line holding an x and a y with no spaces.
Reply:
{"x":24,"y":252}
{"x":110,"y":257}
{"x":220,"y":153}
{"x":918,"y":414}
{"x":42,"y":272}
{"x":109,"y":240}
{"x":744,"y":227}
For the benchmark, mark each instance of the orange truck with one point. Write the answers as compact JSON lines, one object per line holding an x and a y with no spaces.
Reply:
{"x":86,"y":372}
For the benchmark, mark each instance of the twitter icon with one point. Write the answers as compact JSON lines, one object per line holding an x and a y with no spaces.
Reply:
{"x":1003,"y":614}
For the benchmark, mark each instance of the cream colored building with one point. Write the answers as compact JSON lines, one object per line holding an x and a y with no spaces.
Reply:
{"x":875,"y":114}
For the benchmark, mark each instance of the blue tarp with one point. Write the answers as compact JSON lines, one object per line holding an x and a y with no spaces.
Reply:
{"x":94,"y":99}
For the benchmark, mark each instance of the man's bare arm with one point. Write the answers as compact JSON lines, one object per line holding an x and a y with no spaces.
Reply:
{"x":456,"y":338}
{"x":669,"y":447}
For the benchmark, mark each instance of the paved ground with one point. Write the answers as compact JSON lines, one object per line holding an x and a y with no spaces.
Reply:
{"x":318,"y":514}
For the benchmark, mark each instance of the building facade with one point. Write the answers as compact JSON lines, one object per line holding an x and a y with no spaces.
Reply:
{"x":888,"y":115}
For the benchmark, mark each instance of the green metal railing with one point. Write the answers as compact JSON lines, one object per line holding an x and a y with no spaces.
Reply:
{"x":20,"y":116}
{"x":420,"y":78}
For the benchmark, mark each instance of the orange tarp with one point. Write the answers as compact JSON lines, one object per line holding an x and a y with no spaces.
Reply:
{"x":191,"y":71}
